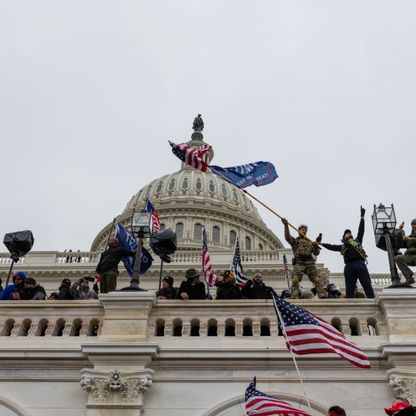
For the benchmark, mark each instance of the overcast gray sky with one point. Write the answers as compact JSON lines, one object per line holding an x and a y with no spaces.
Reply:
{"x":90,"y":92}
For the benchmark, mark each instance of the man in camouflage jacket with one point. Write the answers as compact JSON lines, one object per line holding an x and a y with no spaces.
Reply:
{"x":304,"y":251}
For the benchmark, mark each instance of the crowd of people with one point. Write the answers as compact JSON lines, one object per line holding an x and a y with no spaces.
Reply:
{"x":305,"y":252}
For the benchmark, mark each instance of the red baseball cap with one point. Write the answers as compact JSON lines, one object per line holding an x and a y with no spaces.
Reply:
{"x":396,"y":407}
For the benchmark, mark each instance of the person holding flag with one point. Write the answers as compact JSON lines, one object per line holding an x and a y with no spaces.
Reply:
{"x":304,"y":251}
{"x":107,"y":267}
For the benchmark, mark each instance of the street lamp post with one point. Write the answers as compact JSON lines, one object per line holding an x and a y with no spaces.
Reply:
{"x":384,"y":224}
{"x":140,"y":228}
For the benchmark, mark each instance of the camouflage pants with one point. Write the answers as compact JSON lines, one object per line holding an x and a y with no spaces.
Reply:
{"x":403,"y":262}
{"x":308,"y":268}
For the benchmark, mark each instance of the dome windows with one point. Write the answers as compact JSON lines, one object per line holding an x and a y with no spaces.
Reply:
{"x":198,"y":185}
{"x":159,"y":187}
{"x":198,"y":231}
{"x":211,"y":186}
{"x":179,"y":231}
{"x":235,"y":197}
{"x":185,"y":184}
{"x":224,"y":191}
{"x":247,"y":242}
{"x":233,"y":237}
{"x":172,"y":185}
{"x":216,"y":233}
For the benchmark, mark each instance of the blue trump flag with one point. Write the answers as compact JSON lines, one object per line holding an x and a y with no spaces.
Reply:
{"x":258,"y":174}
{"x":128,"y":242}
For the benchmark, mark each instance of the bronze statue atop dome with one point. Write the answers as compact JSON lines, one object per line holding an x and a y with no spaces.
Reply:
{"x":198,"y":125}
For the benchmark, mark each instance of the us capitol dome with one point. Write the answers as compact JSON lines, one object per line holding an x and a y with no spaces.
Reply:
{"x":189,"y":199}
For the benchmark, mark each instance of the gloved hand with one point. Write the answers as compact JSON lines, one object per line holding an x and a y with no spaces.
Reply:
{"x":95,"y":288}
{"x":319,"y":238}
{"x":362,"y":211}
{"x":284,"y":221}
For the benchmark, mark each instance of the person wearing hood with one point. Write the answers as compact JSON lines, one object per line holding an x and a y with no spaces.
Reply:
{"x":167,"y":291}
{"x":80,"y":290}
{"x":191,"y":288}
{"x":32,"y":290}
{"x":227,"y":289}
{"x":355,"y":260}
{"x":18,"y":284}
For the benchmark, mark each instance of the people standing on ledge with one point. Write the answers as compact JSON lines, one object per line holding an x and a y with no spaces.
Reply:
{"x":354,"y":259}
{"x":407,"y":259}
{"x":107,"y":268}
{"x":304,"y":251}
{"x":191,"y":288}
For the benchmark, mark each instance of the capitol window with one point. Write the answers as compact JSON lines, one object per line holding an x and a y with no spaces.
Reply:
{"x":162,"y":226}
{"x":159,"y":187}
{"x":198,"y":231}
{"x":198,"y":184}
{"x":233,"y":237}
{"x":224,"y":191}
{"x":211,"y":186}
{"x":185,"y":184}
{"x":216,"y":233}
{"x":260,"y":246}
{"x":248,"y":243}
{"x":179,"y":230}
{"x":172,"y":185}
{"x":235,"y":195}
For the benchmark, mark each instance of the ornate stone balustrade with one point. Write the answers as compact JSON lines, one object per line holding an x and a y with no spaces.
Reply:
{"x":251,"y":318}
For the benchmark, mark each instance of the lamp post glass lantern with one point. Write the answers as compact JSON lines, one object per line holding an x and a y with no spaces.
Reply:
{"x":141,"y":228}
{"x":141,"y":224}
{"x":384,"y":224}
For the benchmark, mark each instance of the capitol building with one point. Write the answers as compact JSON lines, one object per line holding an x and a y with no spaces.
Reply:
{"x":130,"y":354}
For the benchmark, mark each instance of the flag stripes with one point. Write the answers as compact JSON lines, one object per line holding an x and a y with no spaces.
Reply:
{"x":191,"y":155}
{"x":236,"y":266}
{"x":260,"y":404}
{"x":306,"y":333}
{"x":210,"y":277}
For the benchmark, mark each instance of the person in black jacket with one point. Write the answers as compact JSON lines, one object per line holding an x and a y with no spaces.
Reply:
{"x":355,"y":260}
{"x":227,"y":289}
{"x":107,"y":268}
{"x":191,"y":288}
{"x":256,"y":289}
{"x":167,"y":290}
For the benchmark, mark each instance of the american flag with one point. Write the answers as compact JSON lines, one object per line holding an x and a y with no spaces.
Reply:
{"x":191,"y":155}
{"x":210,"y":277}
{"x":260,"y":404}
{"x":306,"y":334}
{"x":236,"y":266}
{"x":285,"y":265}
{"x":155,"y":217}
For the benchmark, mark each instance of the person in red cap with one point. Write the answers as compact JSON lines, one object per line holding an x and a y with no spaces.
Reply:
{"x":400,"y":407}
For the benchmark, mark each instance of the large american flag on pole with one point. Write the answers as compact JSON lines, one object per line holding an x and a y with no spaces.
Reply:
{"x":306,"y":333}
{"x":260,"y":404}
{"x":191,"y":155}
{"x":210,"y":277}
{"x":236,"y":266}
{"x":155,"y":217}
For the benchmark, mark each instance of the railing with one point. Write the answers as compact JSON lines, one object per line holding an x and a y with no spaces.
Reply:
{"x":358,"y":317}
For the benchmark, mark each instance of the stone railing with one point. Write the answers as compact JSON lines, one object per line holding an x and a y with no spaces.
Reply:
{"x":357,"y":317}
{"x":50,"y":318}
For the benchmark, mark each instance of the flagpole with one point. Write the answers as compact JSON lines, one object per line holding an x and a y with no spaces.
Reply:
{"x":263,"y":204}
{"x":291,"y":352}
{"x":275,"y":213}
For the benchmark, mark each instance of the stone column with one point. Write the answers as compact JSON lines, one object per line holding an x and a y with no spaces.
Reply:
{"x":119,"y":377}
